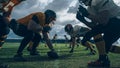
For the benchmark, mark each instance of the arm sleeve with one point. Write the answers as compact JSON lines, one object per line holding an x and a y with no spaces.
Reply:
{"x":35,"y":18}
{"x":48,"y":41}
{"x":34,"y":26}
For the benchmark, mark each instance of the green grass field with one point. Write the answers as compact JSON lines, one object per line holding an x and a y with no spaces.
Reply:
{"x":78,"y":59}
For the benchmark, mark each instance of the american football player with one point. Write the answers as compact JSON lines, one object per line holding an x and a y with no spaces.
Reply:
{"x":32,"y":27}
{"x":103,"y":20}
{"x":78,"y":31}
{"x":6,"y":7}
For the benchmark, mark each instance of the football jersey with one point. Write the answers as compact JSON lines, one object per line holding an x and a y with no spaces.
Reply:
{"x":26,"y":19}
{"x":101,"y":5}
{"x":2,"y":4}
{"x":79,"y":31}
{"x":7,"y":7}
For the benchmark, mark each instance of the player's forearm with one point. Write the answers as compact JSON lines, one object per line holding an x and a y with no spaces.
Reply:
{"x":48,"y":41}
{"x":49,"y":44}
{"x":73,"y":42}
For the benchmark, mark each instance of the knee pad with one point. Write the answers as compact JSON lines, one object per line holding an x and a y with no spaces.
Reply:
{"x":2,"y":38}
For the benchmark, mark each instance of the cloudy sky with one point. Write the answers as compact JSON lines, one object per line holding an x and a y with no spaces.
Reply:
{"x":65,"y":10}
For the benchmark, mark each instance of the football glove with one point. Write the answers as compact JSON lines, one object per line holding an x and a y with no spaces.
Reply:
{"x":83,"y":11}
{"x":46,"y":28}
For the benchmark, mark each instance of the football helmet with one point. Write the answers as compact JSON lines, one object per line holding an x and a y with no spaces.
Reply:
{"x":50,"y":16}
{"x":68,"y":28}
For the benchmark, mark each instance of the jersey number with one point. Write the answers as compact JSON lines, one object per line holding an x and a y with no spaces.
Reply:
{"x":8,"y":6}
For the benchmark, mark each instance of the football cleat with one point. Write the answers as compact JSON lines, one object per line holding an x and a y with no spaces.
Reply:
{"x":19,"y":58}
{"x":99,"y":63}
{"x":71,"y":51}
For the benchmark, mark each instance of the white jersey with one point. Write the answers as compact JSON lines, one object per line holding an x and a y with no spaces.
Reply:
{"x":101,"y":5}
{"x":79,"y":31}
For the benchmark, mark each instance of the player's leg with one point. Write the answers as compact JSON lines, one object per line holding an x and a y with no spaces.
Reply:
{"x":110,"y":40}
{"x":4,"y":30}
{"x":90,"y":46}
{"x":78,"y":41}
{"x":85,"y":41}
{"x":23,"y":44}
{"x":13,"y":24}
{"x":3,"y":35}
{"x":72,"y":43}
{"x":36,"y":39}
{"x":103,"y":60}
{"x":114,"y":48}
{"x":30,"y":46}
{"x":2,"y":40}
{"x":111,"y":34}
{"x":22,"y":31}
{"x":100,"y":44}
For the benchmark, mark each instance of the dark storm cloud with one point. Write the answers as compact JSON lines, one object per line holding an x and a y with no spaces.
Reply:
{"x":30,"y":6}
{"x":27,"y":4}
{"x":26,"y":8}
{"x":58,"y":5}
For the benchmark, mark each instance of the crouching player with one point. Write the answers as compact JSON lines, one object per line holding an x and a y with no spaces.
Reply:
{"x":105,"y":21}
{"x":78,"y":31}
{"x":6,"y":7}
{"x":31,"y":28}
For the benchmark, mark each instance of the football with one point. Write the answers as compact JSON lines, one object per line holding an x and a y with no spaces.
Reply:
{"x":52,"y":54}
